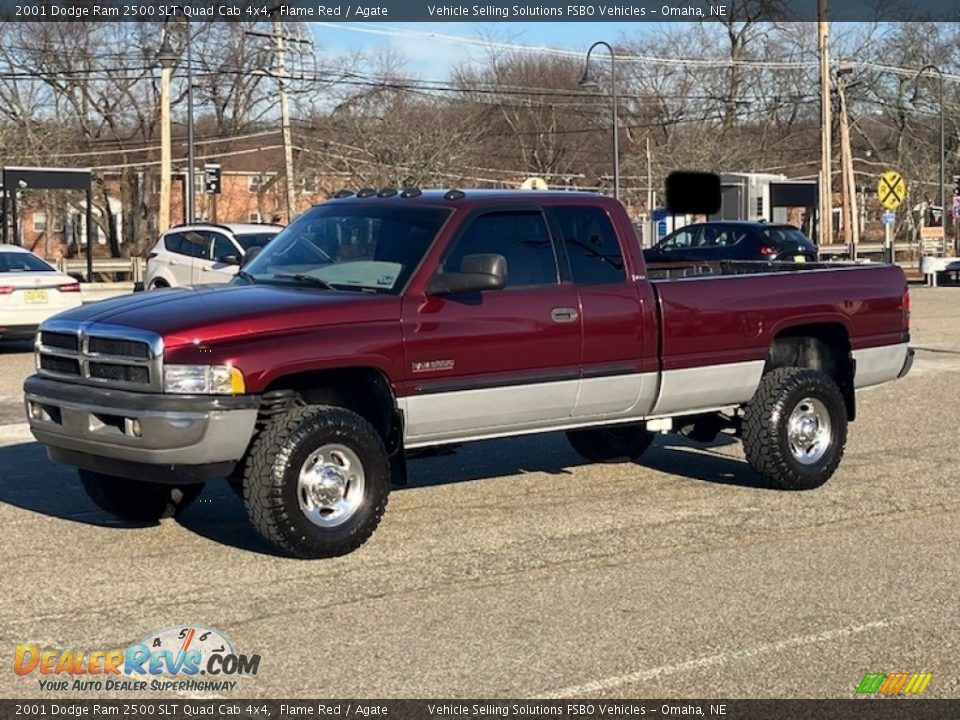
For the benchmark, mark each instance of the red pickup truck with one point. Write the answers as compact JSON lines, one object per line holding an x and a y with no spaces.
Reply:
{"x":387,"y":322}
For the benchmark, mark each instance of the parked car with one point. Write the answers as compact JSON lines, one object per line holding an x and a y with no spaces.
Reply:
{"x":31,"y":290}
{"x":733,"y":240}
{"x":376,"y":325}
{"x":203,"y":253}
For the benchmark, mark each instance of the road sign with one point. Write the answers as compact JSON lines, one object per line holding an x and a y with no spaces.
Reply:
{"x":211,"y":178}
{"x":888,"y":218}
{"x":891,"y":189}
{"x":661,"y":228}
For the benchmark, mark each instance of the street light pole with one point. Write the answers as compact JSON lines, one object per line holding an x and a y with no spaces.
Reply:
{"x":167,"y":58}
{"x":586,"y":80}
{"x":943,"y":182}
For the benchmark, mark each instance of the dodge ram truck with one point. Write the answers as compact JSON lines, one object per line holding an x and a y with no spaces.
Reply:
{"x":382,"y":324}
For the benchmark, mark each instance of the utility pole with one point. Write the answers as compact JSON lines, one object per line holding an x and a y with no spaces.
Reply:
{"x":826,"y":120}
{"x":651,"y":227}
{"x":167,"y":58}
{"x":284,"y":113}
{"x":851,"y":220}
{"x":191,"y":208}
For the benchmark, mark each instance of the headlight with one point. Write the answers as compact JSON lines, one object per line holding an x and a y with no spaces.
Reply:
{"x":203,"y":380}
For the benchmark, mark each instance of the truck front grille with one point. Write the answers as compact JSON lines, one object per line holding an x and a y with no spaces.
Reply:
{"x":60,"y":340}
{"x":63,"y":366}
{"x":111,"y":346}
{"x":98,"y":354}
{"x":120,"y":373}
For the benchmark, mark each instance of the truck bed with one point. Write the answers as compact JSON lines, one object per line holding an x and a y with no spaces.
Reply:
{"x":716,"y":327}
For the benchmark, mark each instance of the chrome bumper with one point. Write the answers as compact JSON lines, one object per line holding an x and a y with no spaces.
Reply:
{"x":139,"y":428}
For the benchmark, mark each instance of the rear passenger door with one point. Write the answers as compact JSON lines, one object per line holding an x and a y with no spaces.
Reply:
{"x":616,"y":380}
{"x":495,"y":361}
{"x":178,"y":259}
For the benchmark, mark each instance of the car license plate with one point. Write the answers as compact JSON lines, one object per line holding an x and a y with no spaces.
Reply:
{"x":799,"y":258}
{"x":35,"y":297}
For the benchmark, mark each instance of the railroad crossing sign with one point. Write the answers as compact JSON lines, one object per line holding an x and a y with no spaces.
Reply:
{"x":891,"y":189}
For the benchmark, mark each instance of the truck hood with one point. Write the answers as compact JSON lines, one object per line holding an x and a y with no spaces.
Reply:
{"x":209,"y":313}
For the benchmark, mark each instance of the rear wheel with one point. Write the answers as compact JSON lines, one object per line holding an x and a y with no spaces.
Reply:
{"x":136,"y":500}
{"x":611,"y":444}
{"x":316,"y":481}
{"x":795,"y":428}
{"x":159,"y":283}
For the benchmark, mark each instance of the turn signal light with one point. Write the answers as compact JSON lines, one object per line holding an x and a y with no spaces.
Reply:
{"x":69,"y":287}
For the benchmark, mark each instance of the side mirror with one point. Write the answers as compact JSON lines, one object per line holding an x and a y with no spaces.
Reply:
{"x":229,"y":259}
{"x":481,"y":271}
{"x":250,"y":255}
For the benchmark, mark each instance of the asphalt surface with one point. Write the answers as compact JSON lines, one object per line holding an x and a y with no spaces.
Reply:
{"x":513,"y":569}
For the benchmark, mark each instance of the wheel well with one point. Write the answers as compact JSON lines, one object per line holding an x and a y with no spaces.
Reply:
{"x":820,"y":346}
{"x":364,"y":390}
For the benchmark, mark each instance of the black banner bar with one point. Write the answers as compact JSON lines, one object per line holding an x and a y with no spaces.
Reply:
{"x":854,"y":709}
{"x":392,"y":11}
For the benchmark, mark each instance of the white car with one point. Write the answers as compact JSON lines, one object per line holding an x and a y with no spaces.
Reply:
{"x":203,"y":253}
{"x":31,"y":290}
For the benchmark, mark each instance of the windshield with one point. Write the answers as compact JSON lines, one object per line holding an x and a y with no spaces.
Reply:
{"x":366,"y":246}
{"x":22,"y":262}
{"x":249,"y":240}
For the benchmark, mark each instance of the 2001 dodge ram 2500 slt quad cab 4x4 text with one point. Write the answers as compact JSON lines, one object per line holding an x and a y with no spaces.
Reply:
{"x":378,"y":324}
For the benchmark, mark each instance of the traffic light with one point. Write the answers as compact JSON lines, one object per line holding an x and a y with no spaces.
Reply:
{"x":956,"y":184}
{"x":211,"y":179}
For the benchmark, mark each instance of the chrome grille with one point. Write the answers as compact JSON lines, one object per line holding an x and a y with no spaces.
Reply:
{"x":100,"y":354}
{"x":60,"y":340}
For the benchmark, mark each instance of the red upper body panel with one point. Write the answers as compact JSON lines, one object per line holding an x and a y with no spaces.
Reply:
{"x":634,"y":326}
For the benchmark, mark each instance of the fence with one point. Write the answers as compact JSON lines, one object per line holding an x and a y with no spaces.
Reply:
{"x":104,"y":269}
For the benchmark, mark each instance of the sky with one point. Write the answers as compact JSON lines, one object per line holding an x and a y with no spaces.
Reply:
{"x":434,"y":57}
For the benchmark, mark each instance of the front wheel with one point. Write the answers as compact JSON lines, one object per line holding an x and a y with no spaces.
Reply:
{"x":795,"y":428}
{"x":611,"y":444}
{"x":137,"y":500}
{"x":316,"y":481}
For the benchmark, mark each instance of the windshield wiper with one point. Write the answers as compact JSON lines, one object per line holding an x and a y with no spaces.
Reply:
{"x":302,"y":277}
{"x":244,"y":275}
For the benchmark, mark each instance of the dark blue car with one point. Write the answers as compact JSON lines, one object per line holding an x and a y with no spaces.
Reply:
{"x":733,"y":240}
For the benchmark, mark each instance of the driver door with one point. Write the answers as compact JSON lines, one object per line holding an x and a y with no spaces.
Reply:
{"x":487,"y":363}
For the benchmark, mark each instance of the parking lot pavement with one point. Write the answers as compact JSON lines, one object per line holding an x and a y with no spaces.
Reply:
{"x":511,"y":568}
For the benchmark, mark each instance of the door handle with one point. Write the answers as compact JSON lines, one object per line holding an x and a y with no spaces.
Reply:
{"x":564,"y":315}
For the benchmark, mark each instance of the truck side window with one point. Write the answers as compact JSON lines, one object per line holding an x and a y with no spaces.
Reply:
{"x":591,"y":244}
{"x":521,"y":237}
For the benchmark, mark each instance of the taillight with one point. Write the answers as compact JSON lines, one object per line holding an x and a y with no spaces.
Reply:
{"x":766,"y":250}
{"x":6,"y":289}
{"x":905,"y":305}
{"x":69,"y":287}
{"x":151,"y":256}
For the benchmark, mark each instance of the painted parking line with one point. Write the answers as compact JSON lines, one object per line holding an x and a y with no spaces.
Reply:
{"x":614,"y":681}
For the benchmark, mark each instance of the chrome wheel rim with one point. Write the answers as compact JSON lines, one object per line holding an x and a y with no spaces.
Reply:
{"x":809,"y":431}
{"x":330,"y":485}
